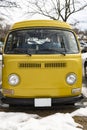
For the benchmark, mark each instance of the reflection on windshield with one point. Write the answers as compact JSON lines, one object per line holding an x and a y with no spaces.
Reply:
{"x":41,"y":41}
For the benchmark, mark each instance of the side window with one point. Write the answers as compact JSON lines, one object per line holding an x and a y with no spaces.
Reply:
{"x":72,"y":43}
{"x":9,"y":43}
{"x":12,"y":42}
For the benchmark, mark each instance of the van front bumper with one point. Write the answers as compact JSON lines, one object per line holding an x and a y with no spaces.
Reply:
{"x":53,"y":101}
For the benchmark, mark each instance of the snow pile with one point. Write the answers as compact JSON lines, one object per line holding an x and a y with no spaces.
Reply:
{"x":80,"y":112}
{"x":14,"y":121}
{"x":22,"y":121}
{"x":84,"y":91}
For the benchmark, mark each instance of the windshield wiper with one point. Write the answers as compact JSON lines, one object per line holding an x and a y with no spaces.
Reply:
{"x":29,"y":52}
{"x":20,"y":51}
{"x":34,"y":51}
{"x":55,"y":50}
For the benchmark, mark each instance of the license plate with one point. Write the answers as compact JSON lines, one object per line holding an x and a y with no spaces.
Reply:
{"x":42,"y":102}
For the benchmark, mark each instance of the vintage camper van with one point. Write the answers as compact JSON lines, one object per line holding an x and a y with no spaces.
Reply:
{"x":41,"y":64}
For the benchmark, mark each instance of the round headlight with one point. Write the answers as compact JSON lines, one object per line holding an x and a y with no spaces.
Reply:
{"x":71,"y":78}
{"x":13,"y":79}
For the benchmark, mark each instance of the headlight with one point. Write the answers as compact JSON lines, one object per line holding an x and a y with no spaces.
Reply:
{"x":13,"y":79}
{"x":71,"y":78}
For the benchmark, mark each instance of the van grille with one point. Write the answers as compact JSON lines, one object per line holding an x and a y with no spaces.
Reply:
{"x":54,"y":65}
{"x":30,"y":65}
{"x":42,"y":65}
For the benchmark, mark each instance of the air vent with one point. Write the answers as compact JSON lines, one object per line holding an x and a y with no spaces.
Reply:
{"x":30,"y":65}
{"x":42,"y":65}
{"x":55,"y":65}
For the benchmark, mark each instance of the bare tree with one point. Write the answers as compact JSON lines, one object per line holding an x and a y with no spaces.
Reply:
{"x":3,"y":29}
{"x":7,"y":3}
{"x":7,"y":6}
{"x":56,"y":9}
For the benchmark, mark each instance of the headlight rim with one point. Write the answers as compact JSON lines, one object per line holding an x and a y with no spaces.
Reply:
{"x":17,"y":80}
{"x":67,"y":76}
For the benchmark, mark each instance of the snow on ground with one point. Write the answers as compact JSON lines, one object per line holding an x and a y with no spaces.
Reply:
{"x":80,"y":112}
{"x":84,"y":91}
{"x":23,"y":121}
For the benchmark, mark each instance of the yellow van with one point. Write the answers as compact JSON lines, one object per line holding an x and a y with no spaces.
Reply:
{"x":42,"y":64}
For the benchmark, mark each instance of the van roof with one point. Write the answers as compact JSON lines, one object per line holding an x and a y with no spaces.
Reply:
{"x":41,"y":23}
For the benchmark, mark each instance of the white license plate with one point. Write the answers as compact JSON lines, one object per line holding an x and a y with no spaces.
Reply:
{"x":42,"y":102}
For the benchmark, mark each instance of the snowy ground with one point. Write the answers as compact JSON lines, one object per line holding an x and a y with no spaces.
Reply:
{"x":57,"y":121}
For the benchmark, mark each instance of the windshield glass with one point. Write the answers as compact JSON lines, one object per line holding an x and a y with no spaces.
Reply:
{"x":41,"y":41}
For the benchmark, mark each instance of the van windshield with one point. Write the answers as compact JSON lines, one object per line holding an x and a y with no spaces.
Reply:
{"x":41,"y":41}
